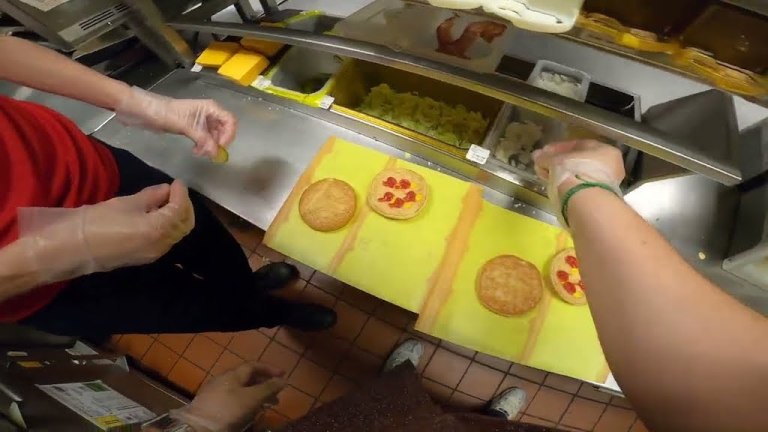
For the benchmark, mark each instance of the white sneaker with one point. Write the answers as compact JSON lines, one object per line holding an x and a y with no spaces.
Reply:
{"x":410,"y":350}
{"x":509,"y":402}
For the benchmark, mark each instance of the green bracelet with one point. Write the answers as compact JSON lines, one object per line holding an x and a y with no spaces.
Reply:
{"x":581,"y":186}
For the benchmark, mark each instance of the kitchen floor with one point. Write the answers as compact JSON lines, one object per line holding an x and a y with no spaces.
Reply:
{"x":321,"y":367}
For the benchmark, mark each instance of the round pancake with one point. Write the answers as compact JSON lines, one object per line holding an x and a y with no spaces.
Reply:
{"x":508,"y":285}
{"x":559,"y":263}
{"x":327,"y":204}
{"x":388,"y":208}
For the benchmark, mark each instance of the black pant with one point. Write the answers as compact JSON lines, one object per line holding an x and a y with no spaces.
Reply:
{"x":204,"y":283}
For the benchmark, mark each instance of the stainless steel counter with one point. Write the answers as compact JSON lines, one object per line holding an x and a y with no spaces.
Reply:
{"x":275,"y":142}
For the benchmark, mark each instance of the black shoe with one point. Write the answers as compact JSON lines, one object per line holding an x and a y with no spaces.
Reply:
{"x":276,"y":275}
{"x":310,"y":317}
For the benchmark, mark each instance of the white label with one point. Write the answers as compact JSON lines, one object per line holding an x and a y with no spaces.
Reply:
{"x":261,"y":83}
{"x":196,"y":68}
{"x":326,"y":102}
{"x":98,"y":403}
{"x":478,"y":154}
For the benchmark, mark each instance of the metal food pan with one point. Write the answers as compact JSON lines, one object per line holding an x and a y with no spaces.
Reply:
{"x":356,"y":79}
{"x":553,"y":130}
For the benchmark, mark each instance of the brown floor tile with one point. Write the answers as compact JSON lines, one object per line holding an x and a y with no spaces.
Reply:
{"x":439,"y":393}
{"x":257,"y":261}
{"x":360,"y":366}
{"x":458,"y":349}
{"x":337,"y":387}
{"x":186,"y":375}
{"x":465,"y":401}
{"x":294,"y":403}
{"x":293,"y":292}
{"x":160,"y":358}
{"x":246,"y":234}
{"x":549,"y":404}
{"x":305,"y":271}
{"x":564,"y":383}
{"x":176,"y":342}
{"x":269,"y":332}
{"x":246,"y":252}
{"x":222,"y":339}
{"x":327,"y":283}
{"x":364,"y":301}
{"x":203,"y":352}
{"x":395,"y":315}
{"x":621,"y":402}
{"x":226,"y":362}
{"x":248,"y":344}
{"x":562,"y":427}
{"x":378,"y":337}
{"x":639,"y":426}
{"x":480,"y":381}
{"x":528,"y":373}
{"x":494,"y":362}
{"x":589,"y":391}
{"x":446,"y":368}
{"x":293,"y":339}
{"x":327,"y":350}
{"x":615,"y":419}
{"x":350,"y":321}
{"x":530,"y":388}
{"x":310,"y":377}
{"x":279,"y":356}
{"x":271,"y":420}
{"x":135,"y":345}
{"x":269,"y":253}
{"x":314,"y":294}
{"x":536,"y":421}
{"x":583,"y":414}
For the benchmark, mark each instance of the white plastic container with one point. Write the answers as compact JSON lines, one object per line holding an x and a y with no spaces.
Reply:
{"x":547,"y":16}
{"x":579,"y":78}
{"x":466,"y":40}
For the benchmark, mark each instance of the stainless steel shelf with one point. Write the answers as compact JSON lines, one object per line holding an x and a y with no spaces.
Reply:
{"x":610,"y":125}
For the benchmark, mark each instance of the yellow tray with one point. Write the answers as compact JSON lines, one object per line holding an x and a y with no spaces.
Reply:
{"x":428,"y":264}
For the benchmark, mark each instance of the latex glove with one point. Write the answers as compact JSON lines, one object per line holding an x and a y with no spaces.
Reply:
{"x":231,"y":400}
{"x":566,"y":164}
{"x":137,"y":229}
{"x":211,"y":127}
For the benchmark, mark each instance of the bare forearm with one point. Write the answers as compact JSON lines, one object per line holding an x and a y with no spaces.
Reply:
{"x":682,"y":350}
{"x":32,"y":65}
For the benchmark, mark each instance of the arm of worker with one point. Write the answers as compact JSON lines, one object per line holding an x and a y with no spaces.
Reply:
{"x":208,"y":125}
{"x":687,"y":355}
{"x":59,"y":244}
{"x":227,"y":403}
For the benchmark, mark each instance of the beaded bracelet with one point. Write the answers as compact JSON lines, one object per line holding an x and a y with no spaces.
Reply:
{"x":581,"y":186}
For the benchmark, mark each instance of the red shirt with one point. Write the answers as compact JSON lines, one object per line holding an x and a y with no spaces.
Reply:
{"x":45,"y":161}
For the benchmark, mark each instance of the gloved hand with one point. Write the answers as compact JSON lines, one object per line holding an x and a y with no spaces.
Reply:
{"x":137,"y":229}
{"x":228,"y":402}
{"x":566,"y":164}
{"x":211,"y":127}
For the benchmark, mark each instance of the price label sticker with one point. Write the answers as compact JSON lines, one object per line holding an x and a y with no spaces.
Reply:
{"x":196,"y":68}
{"x":326,"y":102}
{"x":478,"y":154}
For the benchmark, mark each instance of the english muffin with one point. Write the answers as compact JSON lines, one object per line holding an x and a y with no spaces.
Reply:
{"x":327,"y":204}
{"x":508,"y":285}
